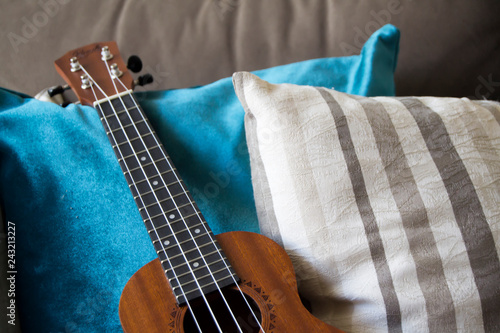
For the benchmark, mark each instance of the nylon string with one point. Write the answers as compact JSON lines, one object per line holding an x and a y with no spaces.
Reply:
{"x":126,"y":166}
{"x":175,"y":204}
{"x":204,"y":226}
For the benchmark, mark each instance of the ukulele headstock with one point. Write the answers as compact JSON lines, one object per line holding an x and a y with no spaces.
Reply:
{"x":95,"y":71}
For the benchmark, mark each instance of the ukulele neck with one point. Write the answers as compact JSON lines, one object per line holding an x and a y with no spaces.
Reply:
{"x":188,"y":251}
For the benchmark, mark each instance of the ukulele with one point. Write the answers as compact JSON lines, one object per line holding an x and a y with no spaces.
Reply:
{"x":200,"y":282}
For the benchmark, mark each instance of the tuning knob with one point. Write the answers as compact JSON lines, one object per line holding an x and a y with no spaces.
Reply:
{"x":54,"y":95}
{"x":134,"y":63}
{"x":56,"y":90}
{"x":144,"y":79}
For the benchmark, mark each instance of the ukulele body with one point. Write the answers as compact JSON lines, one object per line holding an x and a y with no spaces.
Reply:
{"x":268,"y":281}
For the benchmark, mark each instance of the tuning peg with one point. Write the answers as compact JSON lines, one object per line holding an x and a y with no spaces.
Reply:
{"x":115,"y":71}
{"x":143,"y":80}
{"x":56,"y":90}
{"x":54,"y":95}
{"x":134,"y":63}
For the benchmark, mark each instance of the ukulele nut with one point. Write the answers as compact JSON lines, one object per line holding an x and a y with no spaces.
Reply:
{"x":106,"y":55}
{"x":75,"y":64}
{"x":86,"y":83}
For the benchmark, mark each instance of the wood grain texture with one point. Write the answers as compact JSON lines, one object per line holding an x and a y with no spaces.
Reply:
{"x":267,"y":277}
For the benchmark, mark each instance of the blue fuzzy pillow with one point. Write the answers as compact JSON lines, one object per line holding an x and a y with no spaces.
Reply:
{"x":79,"y":236}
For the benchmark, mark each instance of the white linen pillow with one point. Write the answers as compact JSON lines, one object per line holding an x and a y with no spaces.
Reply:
{"x":388,"y":207}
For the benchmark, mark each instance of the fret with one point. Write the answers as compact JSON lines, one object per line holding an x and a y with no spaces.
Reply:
{"x":180,"y":224}
{"x":160,"y":191}
{"x":202,"y":272}
{"x":150,"y":190}
{"x":183,"y":239}
{"x":184,"y":274}
{"x":124,"y":127}
{"x":169,"y":204}
{"x":153,"y":204}
{"x":153,"y":165}
{"x":152,"y":151}
{"x":117,"y":113}
{"x":151,"y":178}
{"x":192,"y":239}
{"x":222,"y":270}
{"x":171,"y":222}
{"x":186,"y":218}
{"x":137,"y":148}
{"x":149,"y":170}
{"x":129,"y":134}
{"x":135,"y":154}
{"x":195,"y":292}
{"x":188,"y":271}
{"x":210,"y":274}
{"x":175,"y":190}
{"x":188,"y":261}
{"x":143,"y":166}
{"x":115,"y":120}
{"x":205,"y":247}
{"x":184,"y":211}
{"x":161,"y":223}
{"x":147,"y":156}
{"x":208,"y":284}
{"x":180,"y":208}
{"x":208,"y":255}
{"x":163,"y":204}
{"x":186,"y":277}
{"x":174,"y":247}
{"x":187,"y":251}
{"x":162,"y":228}
{"x":133,"y":140}
{"x":127,"y":122}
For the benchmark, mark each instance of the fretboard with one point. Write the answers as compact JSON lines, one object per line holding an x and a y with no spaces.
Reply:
{"x":189,"y":254}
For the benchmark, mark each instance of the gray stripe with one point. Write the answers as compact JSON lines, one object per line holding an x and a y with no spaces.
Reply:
{"x":376,"y":246}
{"x":429,"y":267}
{"x":490,"y":107}
{"x":481,"y":140}
{"x":467,"y":208}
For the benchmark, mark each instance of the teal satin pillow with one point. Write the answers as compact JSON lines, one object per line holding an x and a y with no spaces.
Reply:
{"x":79,"y":236}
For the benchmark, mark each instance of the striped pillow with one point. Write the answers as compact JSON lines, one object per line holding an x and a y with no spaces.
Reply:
{"x":388,"y":207}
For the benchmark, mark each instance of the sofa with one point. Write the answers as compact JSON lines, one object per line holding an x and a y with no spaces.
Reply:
{"x":57,"y":158}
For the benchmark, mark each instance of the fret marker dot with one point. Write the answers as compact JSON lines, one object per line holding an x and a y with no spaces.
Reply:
{"x":143,"y":158}
{"x":196,"y":231}
{"x":171,"y":216}
{"x":196,"y":264}
{"x":167,"y":242}
{"x":155,"y":182}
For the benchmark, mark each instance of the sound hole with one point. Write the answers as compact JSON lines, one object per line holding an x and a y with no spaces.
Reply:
{"x":240,"y":309}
